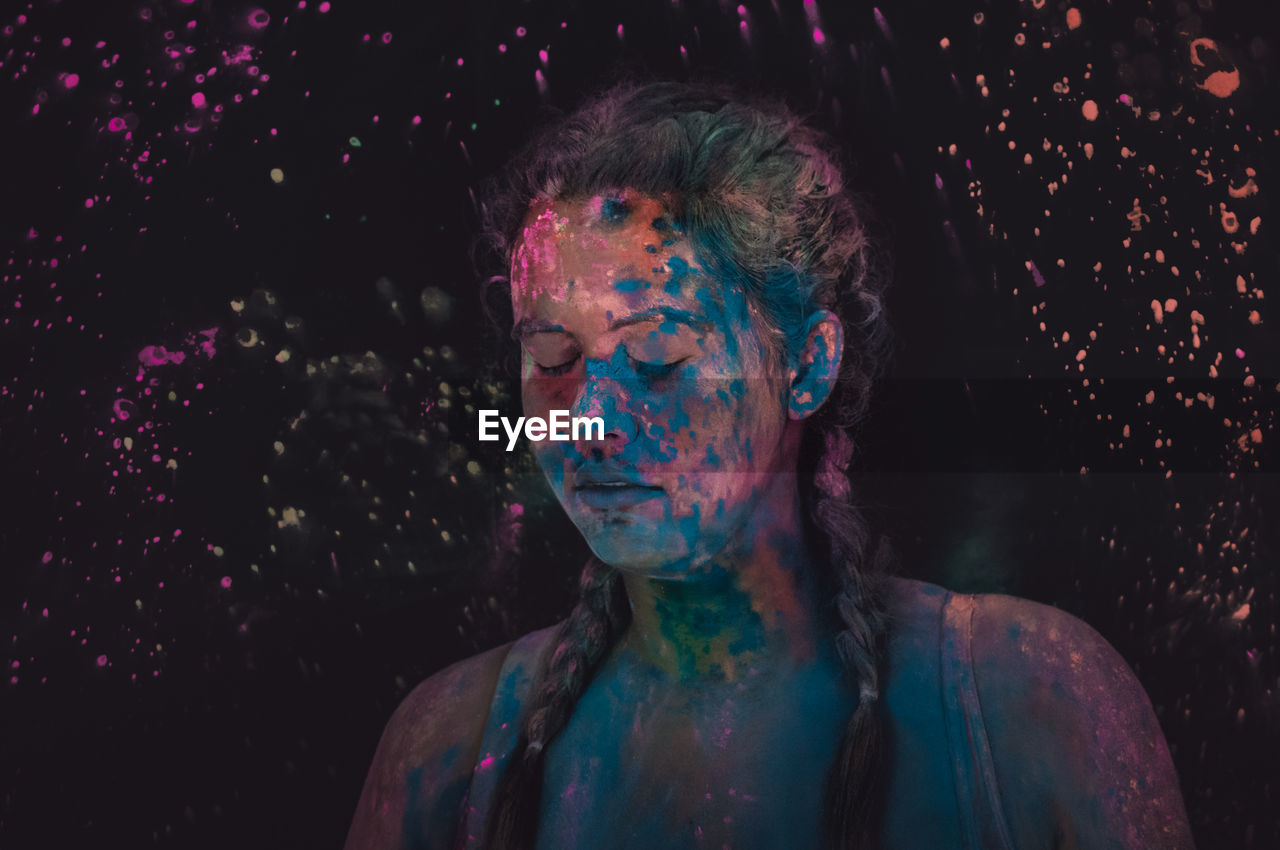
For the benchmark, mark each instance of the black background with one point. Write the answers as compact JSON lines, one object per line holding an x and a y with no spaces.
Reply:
{"x":203,"y":653}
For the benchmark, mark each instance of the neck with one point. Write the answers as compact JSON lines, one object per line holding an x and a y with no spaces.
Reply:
{"x":751,"y":609}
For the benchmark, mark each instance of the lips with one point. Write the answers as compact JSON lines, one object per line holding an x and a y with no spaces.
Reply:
{"x":604,"y":489}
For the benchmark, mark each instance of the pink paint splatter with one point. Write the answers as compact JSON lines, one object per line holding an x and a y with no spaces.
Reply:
{"x":123,"y":408}
{"x":158,"y":355}
{"x":1035,"y":273}
{"x":243,"y":54}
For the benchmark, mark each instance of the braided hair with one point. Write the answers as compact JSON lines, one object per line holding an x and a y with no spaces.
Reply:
{"x":762,"y":197}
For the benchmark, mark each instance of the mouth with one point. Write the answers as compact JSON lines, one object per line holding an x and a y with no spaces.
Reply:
{"x":613,"y":492}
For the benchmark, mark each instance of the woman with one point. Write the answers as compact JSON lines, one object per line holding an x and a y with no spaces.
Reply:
{"x":689,"y":267}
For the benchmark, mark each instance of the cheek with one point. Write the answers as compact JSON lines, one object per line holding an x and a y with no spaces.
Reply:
{"x":704,"y":425}
{"x":723,"y":447}
{"x":702,"y":437}
{"x":542,"y":394}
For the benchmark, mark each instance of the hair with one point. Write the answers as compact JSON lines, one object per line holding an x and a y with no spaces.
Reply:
{"x":762,"y":197}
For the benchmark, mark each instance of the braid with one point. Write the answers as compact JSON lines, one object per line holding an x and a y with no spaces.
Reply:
{"x":854,"y":801}
{"x":597,"y":620}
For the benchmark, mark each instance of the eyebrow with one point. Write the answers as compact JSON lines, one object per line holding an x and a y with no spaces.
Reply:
{"x":674,"y":314}
{"x":528,"y":327}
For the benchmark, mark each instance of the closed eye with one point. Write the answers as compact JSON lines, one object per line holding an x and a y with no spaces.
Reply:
{"x":558,"y":369}
{"x":653,"y":371}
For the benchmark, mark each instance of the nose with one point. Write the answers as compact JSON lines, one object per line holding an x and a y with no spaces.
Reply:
{"x":607,"y":397}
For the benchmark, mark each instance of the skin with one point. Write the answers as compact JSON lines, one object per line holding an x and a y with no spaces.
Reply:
{"x":715,"y":718}
{"x":423,"y":764}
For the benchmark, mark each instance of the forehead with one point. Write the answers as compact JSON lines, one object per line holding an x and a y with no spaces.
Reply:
{"x":611,"y":252}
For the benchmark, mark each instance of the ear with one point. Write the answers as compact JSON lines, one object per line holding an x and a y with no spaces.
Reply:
{"x":813,"y":377}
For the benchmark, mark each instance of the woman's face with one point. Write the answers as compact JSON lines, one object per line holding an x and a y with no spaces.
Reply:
{"x":617,"y":319}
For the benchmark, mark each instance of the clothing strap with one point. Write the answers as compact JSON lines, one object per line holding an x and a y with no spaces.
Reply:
{"x":500,"y":733}
{"x":982,"y":818}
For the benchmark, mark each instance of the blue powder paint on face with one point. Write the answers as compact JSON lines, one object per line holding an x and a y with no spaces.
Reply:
{"x":659,"y":224}
{"x":652,"y":249}
{"x":668,"y":455}
{"x":614,"y":210}
{"x":680,"y":270}
{"x":679,"y":418}
{"x":688,"y":527}
{"x":737,"y":388}
{"x":553,"y":469}
{"x":628,"y":284}
{"x":713,"y":460}
{"x":618,"y":366}
{"x":668,"y":327}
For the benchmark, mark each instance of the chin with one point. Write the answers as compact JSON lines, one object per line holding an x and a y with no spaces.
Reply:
{"x":637,"y":547}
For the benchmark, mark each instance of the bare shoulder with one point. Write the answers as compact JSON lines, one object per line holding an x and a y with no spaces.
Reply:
{"x":423,"y":764}
{"x":1078,"y":752}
